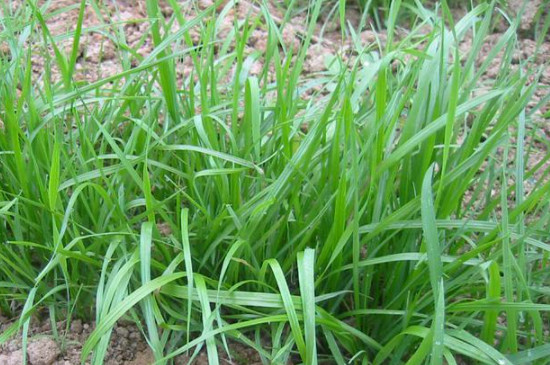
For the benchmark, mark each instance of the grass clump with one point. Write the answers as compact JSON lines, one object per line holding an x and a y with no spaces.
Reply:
{"x":348,"y":216}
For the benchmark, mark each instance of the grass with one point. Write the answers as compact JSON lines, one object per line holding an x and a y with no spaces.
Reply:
{"x":372,"y":213}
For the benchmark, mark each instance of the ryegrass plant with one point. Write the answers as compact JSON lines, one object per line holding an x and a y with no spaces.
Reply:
{"x":371,"y":213}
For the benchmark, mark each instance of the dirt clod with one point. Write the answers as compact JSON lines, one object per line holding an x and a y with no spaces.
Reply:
{"x":122,"y":332}
{"x":76,"y":326}
{"x":143,"y":358}
{"x":12,"y":358}
{"x":43,"y":351}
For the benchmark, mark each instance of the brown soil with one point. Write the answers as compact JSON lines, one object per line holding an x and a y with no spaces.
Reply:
{"x":98,"y":53}
{"x":127,"y":346}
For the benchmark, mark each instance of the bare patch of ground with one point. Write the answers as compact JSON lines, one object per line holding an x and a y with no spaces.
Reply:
{"x":127,"y":346}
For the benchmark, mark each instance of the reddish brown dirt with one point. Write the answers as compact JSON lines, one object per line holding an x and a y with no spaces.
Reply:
{"x":98,"y":52}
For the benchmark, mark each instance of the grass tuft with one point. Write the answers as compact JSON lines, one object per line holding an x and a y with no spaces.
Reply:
{"x":383,"y":210}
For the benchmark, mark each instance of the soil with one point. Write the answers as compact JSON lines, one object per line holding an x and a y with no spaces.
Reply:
{"x":127,"y":346}
{"x":98,"y":58}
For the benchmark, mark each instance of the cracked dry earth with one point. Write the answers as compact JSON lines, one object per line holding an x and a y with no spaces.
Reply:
{"x":98,"y":58}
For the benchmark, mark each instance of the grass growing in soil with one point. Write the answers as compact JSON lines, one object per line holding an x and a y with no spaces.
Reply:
{"x":376,"y":212}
